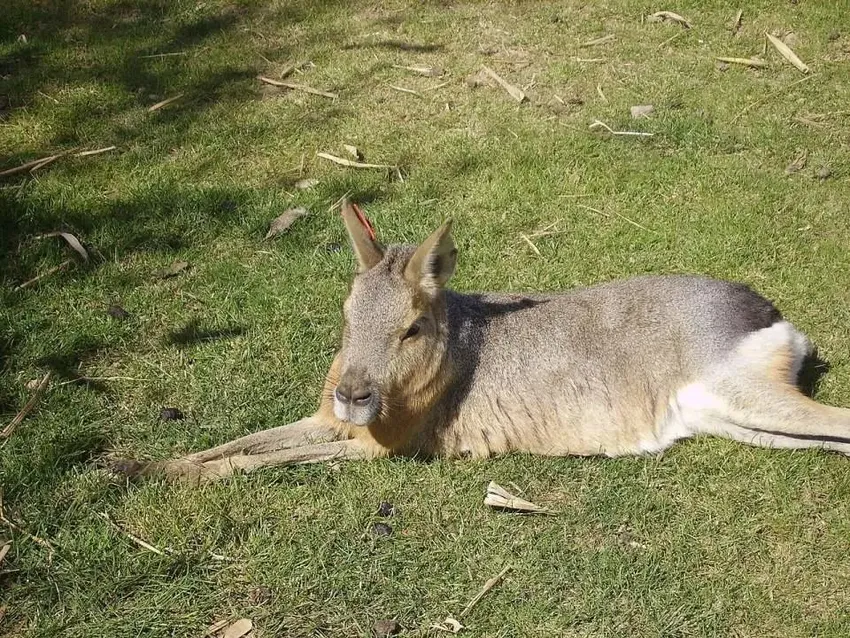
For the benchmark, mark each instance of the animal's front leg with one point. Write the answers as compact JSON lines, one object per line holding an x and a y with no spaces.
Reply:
{"x":305,"y":438}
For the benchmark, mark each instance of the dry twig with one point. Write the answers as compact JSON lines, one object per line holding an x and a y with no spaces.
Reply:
{"x":736,"y":23}
{"x":514,"y":92}
{"x":138,"y":541}
{"x":346,"y":162}
{"x":166,"y":102}
{"x":490,"y":584}
{"x":28,"y":407}
{"x":96,"y":151}
{"x":297,"y":87}
{"x":597,"y":124}
{"x":598,"y":41}
{"x":47,"y":273}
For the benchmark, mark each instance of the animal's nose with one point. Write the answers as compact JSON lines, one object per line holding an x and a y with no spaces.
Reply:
{"x":358,"y":396}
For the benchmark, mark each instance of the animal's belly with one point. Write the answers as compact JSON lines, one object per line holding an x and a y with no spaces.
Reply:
{"x":581,"y":420}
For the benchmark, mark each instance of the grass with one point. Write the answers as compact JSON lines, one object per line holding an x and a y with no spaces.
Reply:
{"x":711,"y":539}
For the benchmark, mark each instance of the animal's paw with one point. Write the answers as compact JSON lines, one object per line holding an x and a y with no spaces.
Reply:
{"x":177,"y":470}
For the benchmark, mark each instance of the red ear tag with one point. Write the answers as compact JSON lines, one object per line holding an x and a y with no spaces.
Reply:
{"x":364,"y":220}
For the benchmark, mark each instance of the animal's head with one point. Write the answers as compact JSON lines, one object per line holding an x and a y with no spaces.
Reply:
{"x":394,"y":337}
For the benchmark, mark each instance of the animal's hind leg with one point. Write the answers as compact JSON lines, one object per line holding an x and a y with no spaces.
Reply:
{"x":753,"y":397}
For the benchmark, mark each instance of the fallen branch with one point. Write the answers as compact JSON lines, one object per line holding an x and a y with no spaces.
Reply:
{"x":754,"y":63}
{"x":9,"y":430}
{"x":351,"y":164}
{"x":490,"y":584}
{"x":47,"y":273}
{"x":787,"y":53}
{"x":623,"y":217}
{"x":166,"y":102}
{"x":26,"y":166}
{"x":297,"y":87}
{"x":597,"y":124}
{"x":514,"y":92}
{"x":138,"y":541}
{"x":46,"y":161}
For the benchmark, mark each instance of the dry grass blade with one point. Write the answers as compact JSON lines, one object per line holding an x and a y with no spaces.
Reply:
{"x":72,"y":241}
{"x":514,"y":92}
{"x":165,"y":102}
{"x":490,"y":584}
{"x":138,"y":541}
{"x":596,"y":124}
{"x":530,"y":243}
{"x":282,"y":222}
{"x":661,"y":16}
{"x":5,"y":550}
{"x":47,"y":273}
{"x":13,"y":525}
{"x":597,"y":41}
{"x":345,"y":162}
{"x":404,"y":90}
{"x":787,"y":53}
{"x":28,"y":407}
{"x":736,"y":23}
{"x":96,"y":151}
{"x":239,"y":628}
{"x":499,"y":497}
{"x":429,"y":71}
{"x":754,"y":63}
{"x":297,"y":87}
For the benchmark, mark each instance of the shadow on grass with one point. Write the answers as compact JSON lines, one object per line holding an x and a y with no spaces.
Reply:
{"x":193,"y":333}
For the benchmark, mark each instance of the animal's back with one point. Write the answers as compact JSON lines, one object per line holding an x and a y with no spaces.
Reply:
{"x":587,"y":371}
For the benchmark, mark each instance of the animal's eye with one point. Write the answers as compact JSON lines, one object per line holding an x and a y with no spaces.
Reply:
{"x":412,"y":331}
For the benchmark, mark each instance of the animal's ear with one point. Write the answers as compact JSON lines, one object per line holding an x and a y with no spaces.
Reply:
{"x":434,"y":261}
{"x":368,"y":251}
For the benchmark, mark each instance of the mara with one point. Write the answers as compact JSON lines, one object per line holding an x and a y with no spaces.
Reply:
{"x":627,"y":367}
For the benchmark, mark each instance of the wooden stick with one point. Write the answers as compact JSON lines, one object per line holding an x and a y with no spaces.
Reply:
{"x":97,"y":151}
{"x":159,"y":105}
{"x":530,"y":243}
{"x":351,"y":164}
{"x":46,"y":161}
{"x":26,"y":166}
{"x":514,"y":92}
{"x":47,"y":273}
{"x":490,"y":584}
{"x":297,"y":87}
{"x":9,"y":430}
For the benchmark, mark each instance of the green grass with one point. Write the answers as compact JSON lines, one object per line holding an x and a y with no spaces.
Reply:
{"x":712,"y":539}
